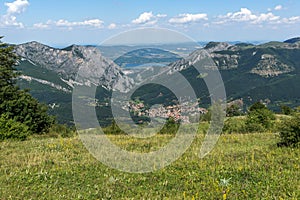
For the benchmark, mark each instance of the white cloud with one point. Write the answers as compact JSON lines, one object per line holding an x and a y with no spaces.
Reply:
{"x":246,"y":15}
{"x":188,"y":18}
{"x":144,"y":18}
{"x":290,"y":20}
{"x":95,"y":23}
{"x":17,"y":6}
{"x":40,"y":26}
{"x":278,"y":7}
{"x":112,"y":26}
{"x":161,"y":15}
{"x":13,"y":8}
{"x":148,"y":18}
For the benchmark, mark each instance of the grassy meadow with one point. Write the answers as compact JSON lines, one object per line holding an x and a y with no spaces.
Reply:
{"x":241,"y":166}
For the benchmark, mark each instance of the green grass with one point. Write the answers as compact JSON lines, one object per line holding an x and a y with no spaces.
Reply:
{"x":47,"y":168}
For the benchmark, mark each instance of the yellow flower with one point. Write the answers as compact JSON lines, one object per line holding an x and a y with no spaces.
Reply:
{"x":224,"y":196}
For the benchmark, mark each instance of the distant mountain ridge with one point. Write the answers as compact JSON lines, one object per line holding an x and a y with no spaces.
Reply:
{"x":95,"y":69}
{"x":269,"y":72}
{"x":293,"y":40}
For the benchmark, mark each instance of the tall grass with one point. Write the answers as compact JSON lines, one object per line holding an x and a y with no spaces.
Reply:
{"x":61,"y":168}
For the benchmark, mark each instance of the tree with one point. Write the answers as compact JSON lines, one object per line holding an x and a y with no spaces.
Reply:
{"x":259,"y":118}
{"x":257,"y":106}
{"x":233,"y":110}
{"x":18,"y":104}
{"x":290,"y":131}
{"x":8,"y":60}
{"x":286,"y":110}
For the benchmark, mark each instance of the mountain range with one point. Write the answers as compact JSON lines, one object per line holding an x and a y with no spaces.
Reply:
{"x":266,"y":72}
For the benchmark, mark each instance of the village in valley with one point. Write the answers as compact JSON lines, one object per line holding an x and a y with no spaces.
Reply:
{"x":184,"y":113}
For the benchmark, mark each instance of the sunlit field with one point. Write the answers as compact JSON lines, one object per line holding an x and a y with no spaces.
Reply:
{"x":241,"y":166}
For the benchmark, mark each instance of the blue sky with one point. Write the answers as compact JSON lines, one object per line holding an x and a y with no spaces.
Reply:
{"x":64,"y":22}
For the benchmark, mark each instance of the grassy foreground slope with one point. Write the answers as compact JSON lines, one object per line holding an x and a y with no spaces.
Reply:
{"x":63,"y":169}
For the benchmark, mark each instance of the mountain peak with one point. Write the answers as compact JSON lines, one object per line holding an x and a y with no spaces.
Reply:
{"x":293,"y":40}
{"x":34,"y":44}
{"x":216,"y":46}
{"x":93,"y":67}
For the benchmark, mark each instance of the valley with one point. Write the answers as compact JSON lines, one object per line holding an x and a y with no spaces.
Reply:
{"x":266,"y":72}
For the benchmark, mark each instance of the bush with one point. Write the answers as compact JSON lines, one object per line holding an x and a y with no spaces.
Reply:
{"x":11,"y":129}
{"x":22,"y":107}
{"x":234,"y":125}
{"x":290,"y":131}
{"x":233,"y":110}
{"x":62,"y":130}
{"x":170,"y":127}
{"x":113,"y":129}
{"x":286,"y":110}
{"x":259,"y":118}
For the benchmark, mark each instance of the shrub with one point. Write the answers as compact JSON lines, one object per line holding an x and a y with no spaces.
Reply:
{"x":11,"y":129}
{"x":290,"y":131}
{"x":171,"y":127}
{"x":61,"y":130}
{"x":259,"y":118}
{"x":234,"y":125}
{"x":286,"y":110}
{"x":113,"y":129}
{"x":233,"y":110}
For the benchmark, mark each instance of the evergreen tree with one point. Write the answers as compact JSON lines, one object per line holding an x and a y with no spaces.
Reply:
{"x":18,"y":104}
{"x":8,"y":60}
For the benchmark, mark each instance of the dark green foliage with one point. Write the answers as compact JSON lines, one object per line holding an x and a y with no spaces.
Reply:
{"x":18,"y":105}
{"x":290,"y":131}
{"x":259,"y":118}
{"x":113,"y":129}
{"x":257,"y":106}
{"x":286,"y":110}
{"x":61,"y":130}
{"x":206,"y":117}
{"x":22,"y":107}
{"x":7,"y":62}
{"x":11,"y":129}
{"x":233,"y":110}
{"x":170,"y":127}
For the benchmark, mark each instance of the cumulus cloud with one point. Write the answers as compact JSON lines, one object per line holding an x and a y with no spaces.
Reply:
{"x":188,"y":18}
{"x":290,"y":20}
{"x":95,"y":23}
{"x":148,"y":18}
{"x":112,"y":26}
{"x":17,"y":6}
{"x":40,"y":26}
{"x":246,"y":15}
{"x":143,"y":18}
{"x":278,"y":7}
{"x":14,"y":8}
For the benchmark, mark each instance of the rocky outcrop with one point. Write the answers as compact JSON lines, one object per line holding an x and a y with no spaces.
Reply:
{"x":270,"y":66}
{"x":85,"y":64}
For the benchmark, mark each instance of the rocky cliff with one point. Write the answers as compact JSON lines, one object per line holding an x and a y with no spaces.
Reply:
{"x":93,"y":68}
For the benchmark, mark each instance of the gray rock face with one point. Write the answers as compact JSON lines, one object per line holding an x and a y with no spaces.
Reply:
{"x":226,"y":61}
{"x":270,"y":66}
{"x":274,"y":58}
{"x":85,"y":64}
